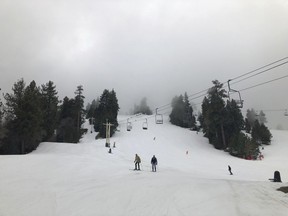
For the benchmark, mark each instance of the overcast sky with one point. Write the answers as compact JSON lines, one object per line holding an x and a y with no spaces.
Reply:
{"x":154,"y":49}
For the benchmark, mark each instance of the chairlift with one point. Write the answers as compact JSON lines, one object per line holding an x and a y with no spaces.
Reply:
{"x":286,"y":113}
{"x":129,"y":125}
{"x":239,"y":101}
{"x":158,"y":117}
{"x":145,"y":125}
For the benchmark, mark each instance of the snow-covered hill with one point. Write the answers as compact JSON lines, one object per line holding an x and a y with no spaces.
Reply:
{"x":84,"y":180}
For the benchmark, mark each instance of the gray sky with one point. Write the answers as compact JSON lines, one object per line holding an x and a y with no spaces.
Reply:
{"x":154,"y":49}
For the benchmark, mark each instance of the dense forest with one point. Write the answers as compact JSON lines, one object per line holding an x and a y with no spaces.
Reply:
{"x":33,"y":114}
{"x":222,"y":122}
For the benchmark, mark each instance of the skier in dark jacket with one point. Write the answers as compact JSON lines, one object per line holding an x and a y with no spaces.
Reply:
{"x":154,"y":163}
{"x":137,"y":162}
{"x":230,"y":170}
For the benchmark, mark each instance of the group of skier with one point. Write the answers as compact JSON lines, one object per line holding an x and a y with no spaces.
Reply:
{"x":137,"y":162}
{"x":154,"y":163}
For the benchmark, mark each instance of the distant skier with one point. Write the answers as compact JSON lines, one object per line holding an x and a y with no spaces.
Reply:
{"x":230,"y":170}
{"x":137,"y":162}
{"x":154,"y":163}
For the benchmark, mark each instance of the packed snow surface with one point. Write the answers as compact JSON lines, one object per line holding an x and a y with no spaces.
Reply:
{"x":192,"y":177}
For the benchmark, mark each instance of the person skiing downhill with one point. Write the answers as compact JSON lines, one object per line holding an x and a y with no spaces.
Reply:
{"x":229,"y":169}
{"x":137,"y":162}
{"x":154,"y":163}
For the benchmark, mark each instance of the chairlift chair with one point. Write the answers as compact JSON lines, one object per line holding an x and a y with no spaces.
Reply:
{"x":286,"y":113}
{"x":145,"y":125}
{"x":158,"y":117}
{"x":238,"y":101}
{"x":129,"y":125}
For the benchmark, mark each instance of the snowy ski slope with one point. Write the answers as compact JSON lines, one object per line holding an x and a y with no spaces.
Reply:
{"x":84,"y":180}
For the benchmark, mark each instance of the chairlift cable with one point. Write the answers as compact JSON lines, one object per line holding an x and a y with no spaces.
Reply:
{"x":163,"y":107}
{"x":260,"y":72}
{"x":279,"y":78}
{"x":261,"y":68}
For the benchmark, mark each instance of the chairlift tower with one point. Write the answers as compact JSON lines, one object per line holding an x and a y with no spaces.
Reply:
{"x":108,"y":126}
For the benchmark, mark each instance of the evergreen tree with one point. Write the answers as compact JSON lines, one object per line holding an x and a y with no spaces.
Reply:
{"x":1,"y":110}
{"x":67,"y":126}
{"x":266,"y":136}
{"x":71,"y":118}
{"x":143,"y":108}
{"x":79,"y":111}
{"x":222,"y":122}
{"x":13,"y":110}
{"x":50,"y":108}
{"x":262,"y":118}
{"x":189,"y":119}
{"x":2,"y":127}
{"x":107,"y":111}
{"x":33,"y":117}
{"x":24,"y":118}
{"x":182,"y":112}
{"x":260,"y":133}
{"x":91,"y":109}
{"x":214,"y":115}
{"x":247,"y":126}
{"x":244,"y":147}
{"x":234,"y":121}
{"x":178,"y":111}
{"x":88,"y":106}
{"x":203,"y":118}
{"x":251,"y":116}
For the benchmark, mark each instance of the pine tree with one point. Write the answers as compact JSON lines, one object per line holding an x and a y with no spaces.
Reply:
{"x":260,"y":133}
{"x":189,"y":119}
{"x":266,"y":135}
{"x":214,"y":115}
{"x":50,"y":108}
{"x":32,"y":118}
{"x":91,"y":109}
{"x":233,"y":122}
{"x":24,"y":118}
{"x":177,"y":115}
{"x":1,"y":110}
{"x":203,"y":118}
{"x":13,"y":109}
{"x":247,"y":126}
{"x":251,"y":116}
{"x":67,"y":126}
{"x":79,"y":111}
{"x":106,"y":111}
{"x":2,"y":127}
{"x":243,"y":146}
{"x":262,"y":118}
{"x":143,"y":108}
{"x":182,"y":112}
{"x":71,"y":118}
